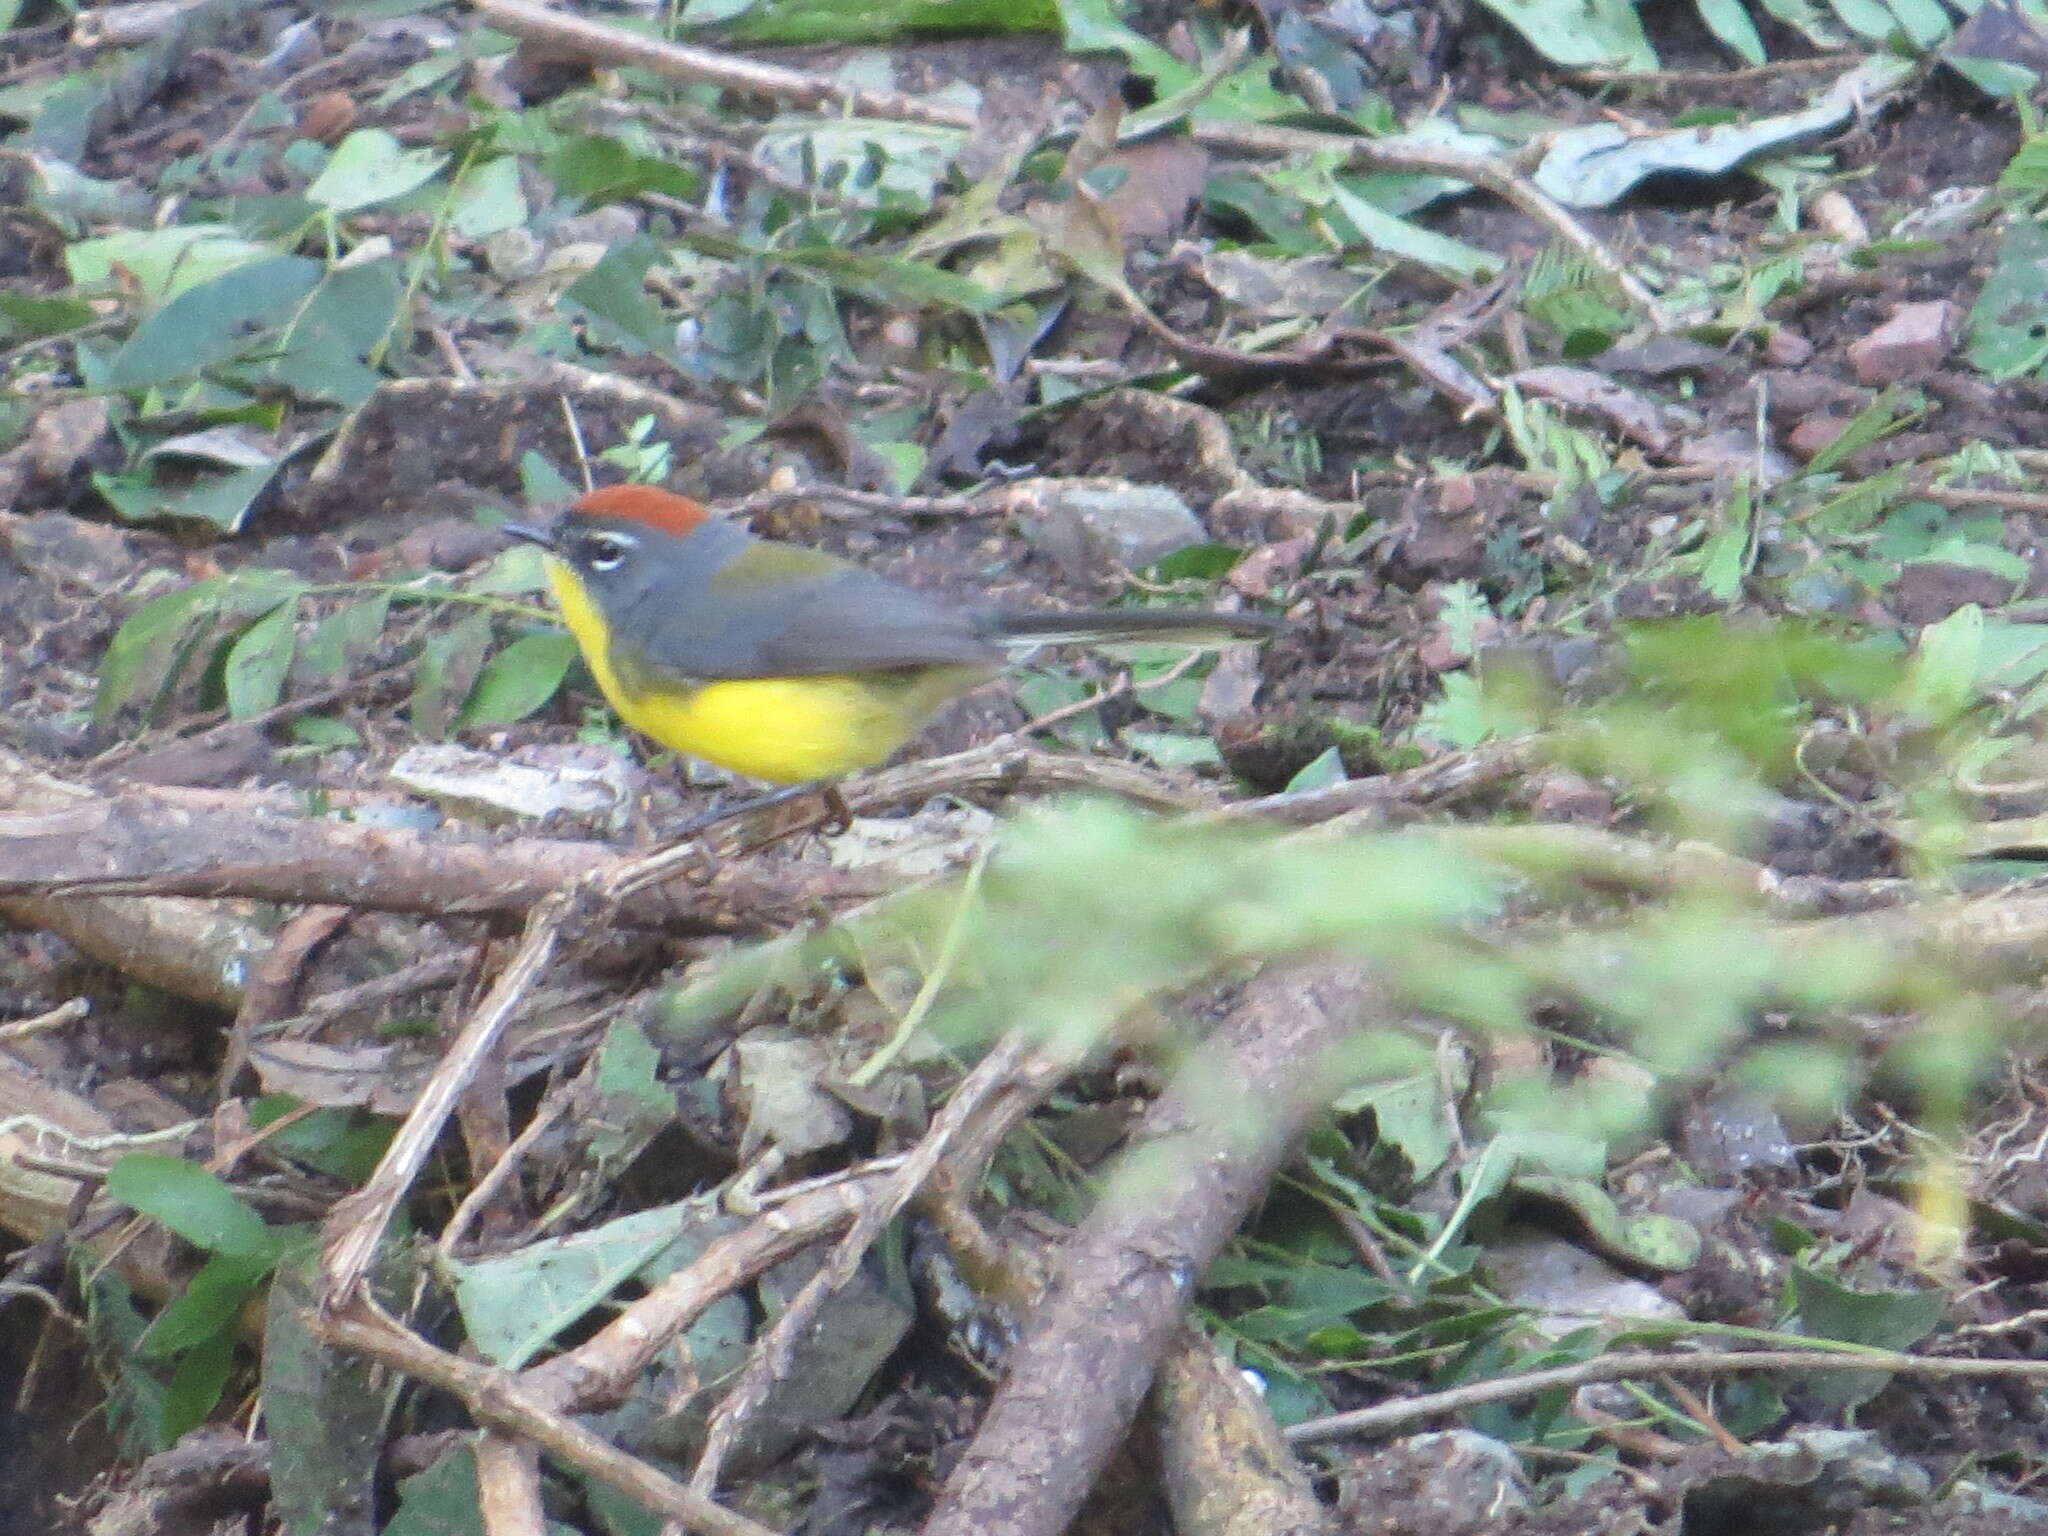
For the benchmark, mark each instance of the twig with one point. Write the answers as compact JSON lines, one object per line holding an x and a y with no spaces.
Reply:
{"x":497,"y":1400}
{"x":1662,"y":77}
{"x":871,"y":501}
{"x":421,"y":976}
{"x":1006,"y":768}
{"x":770,"y":1362}
{"x":935,"y":979}
{"x":1504,"y":1389}
{"x":357,"y":1226}
{"x":41,"y":1024}
{"x":273,"y":983}
{"x":1449,"y":778}
{"x":602,"y":1369}
{"x":679,"y":61}
{"x":143,"y":842}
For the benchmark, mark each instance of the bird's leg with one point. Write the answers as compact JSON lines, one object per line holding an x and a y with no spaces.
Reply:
{"x":740,"y":810}
{"x":838,"y":814}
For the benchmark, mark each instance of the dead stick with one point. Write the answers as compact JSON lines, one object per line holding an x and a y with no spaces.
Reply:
{"x":771,"y":1360}
{"x":1502,"y":1389}
{"x":138,"y":843}
{"x":1208,"y":1147}
{"x":495,"y":1399}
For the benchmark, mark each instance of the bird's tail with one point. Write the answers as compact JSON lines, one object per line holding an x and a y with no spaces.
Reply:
{"x":1098,"y":626}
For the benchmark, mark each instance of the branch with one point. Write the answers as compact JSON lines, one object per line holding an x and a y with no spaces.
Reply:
{"x":1121,"y":1283}
{"x":142,"y":843}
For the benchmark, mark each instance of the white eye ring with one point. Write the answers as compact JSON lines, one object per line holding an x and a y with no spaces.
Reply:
{"x":606,"y":551}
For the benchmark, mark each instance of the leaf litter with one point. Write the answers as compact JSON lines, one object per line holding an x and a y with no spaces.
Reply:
{"x":295,"y":308}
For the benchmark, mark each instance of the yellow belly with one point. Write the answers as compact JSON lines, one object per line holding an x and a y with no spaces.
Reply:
{"x":787,"y":730}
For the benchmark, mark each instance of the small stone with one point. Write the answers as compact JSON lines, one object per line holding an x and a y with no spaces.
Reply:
{"x":1912,"y":343}
{"x":601,"y":226}
{"x":1786,"y":348}
{"x":327,"y":117}
{"x":513,"y":253}
{"x":1569,"y":797}
{"x":525,"y":785}
{"x":448,"y":544}
{"x":1089,"y":527}
{"x":1814,"y":433}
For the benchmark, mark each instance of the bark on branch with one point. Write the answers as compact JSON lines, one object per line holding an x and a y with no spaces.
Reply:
{"x":1207,"y":1148}
{"x":139,"y":843}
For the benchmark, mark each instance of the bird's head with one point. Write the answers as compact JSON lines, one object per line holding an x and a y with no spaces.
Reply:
{"x":608,"y":535}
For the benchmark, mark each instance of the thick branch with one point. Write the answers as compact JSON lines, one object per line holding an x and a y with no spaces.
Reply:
{"x":1208,"y":1146}
{"x":138,"y":842}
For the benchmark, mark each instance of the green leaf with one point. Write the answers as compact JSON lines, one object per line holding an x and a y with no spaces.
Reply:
{"x":163,"y":263}
{"x":1867,"y":18}
{"x":114,"y":1330}
{"x":449,"y":664}
{"x":1924,"y":21}
{"x":1325,"y":769}
{"x":196,"y":1385}
{"x":151,"y":634}
{"x":369,"y":167}
{"x":488,"y":199}
{"x":1397,"y":237}
{"x":324,"y":732}
{"x":519,"y":679}
{"x":325,"y":1411}
{"x":211,"y":1302}
{"x":193,"y":1203}
{"x":322,"y":352}
{"x":1581,"y":34}
{"x":1170,"y":749}
{"x":343,"y":638}
{"x":2008,"y":325}
{"x":1094,"y":26}
{"x":540,"y":482}
{"x":442,"y":1501}
{"x":813,"y":22}
{"x":211,"y":323}
{"x":1945,"y":670}
{"x":1828,"y":1309}
{"x":512,"y":1305}
{"x":259,"y":660}
{"x":1807,"y":19}
{"x":611,"y":293}
{"x":598,"y":170}
{"x":30,"y":315}
{"x":1875,"y":422}
{"x":221,"y":501}
{"x":709,"y":13}
{"x":1729,"y":21}
{"x":1995,"y":77}
{"x":1197,"y":562}
{"x":1724,"y":559}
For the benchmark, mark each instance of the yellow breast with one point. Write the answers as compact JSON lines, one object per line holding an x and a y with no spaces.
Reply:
{"x":787,"y":730}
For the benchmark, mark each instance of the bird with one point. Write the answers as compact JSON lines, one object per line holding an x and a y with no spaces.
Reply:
{"x":782,"y":662}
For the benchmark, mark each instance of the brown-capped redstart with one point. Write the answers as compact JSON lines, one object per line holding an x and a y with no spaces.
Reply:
{"x":781,"y":662}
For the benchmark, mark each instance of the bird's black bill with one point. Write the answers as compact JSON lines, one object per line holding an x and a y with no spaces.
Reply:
{"x":544,"y":537}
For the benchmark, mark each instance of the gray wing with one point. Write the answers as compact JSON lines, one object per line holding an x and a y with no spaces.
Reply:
{"x":845,"y":620}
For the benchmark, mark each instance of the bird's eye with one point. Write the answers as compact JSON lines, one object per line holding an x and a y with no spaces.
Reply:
{"x":605,"y":551}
